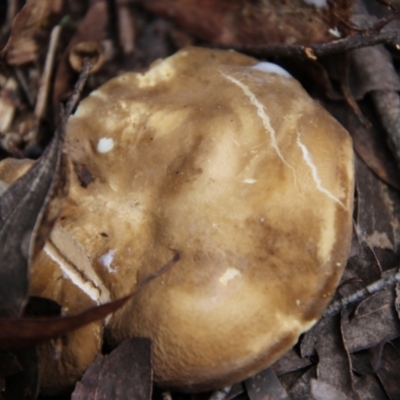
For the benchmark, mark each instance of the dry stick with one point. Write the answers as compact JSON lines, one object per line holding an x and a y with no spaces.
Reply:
{"x":319,"y":50}
{"x":76,"y":94}
{"x":389,"y":278}
{"x":43,"y":93}
{"x":367,"y":37}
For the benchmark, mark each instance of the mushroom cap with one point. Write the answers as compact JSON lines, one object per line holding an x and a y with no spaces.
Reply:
{"x":230,"y":163}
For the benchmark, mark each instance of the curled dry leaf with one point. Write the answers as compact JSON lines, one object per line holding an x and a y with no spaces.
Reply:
{"x":22,"y":46}
{"x":244,"y":22}
{"x":25,"y":332}
{"x":86,"y":51}
{"x":92,"y":29}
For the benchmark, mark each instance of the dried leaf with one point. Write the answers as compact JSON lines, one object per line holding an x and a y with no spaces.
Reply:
{"x":22,"y":46}
{"x":22,"y":383}
{"x":93,"y":28}
{"x":371,"y":146}
{"x":22,"y":208}
{"x":244,"y":22}
{"x":375,"y":321}
{"x":302,"y":388}
{"x":265,"y":386}
{"x":334,"y":365}
{"x":379,"y":78}
{"x":388,"y":373}
{"x":366,"y":76}
{"x":290,"y":362}
{"x":369,"y":388}
{"x":125,"y":374}
{"x":378,"y":221}
{"x":25,"y":332}
{"x":324,"y":391}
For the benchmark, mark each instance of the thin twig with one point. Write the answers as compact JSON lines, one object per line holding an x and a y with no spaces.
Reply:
{"x":76,"y":94}
{"x":381,"y":23}
{"x":389,"y":278}
{"x":41,"y":101}
{"x":370,"y":38}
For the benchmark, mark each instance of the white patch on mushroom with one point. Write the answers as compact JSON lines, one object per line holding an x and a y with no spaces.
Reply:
{"x":77,"y":277}
{"x":261,"y":113}
{"x":229,"y":274}
{"x":317,"y":3}
{"x":105,"y":145}
{"x":107,"y":259}
{"x":271,"y":68}
{"x":335,"y":32}
{"x":314,"y":172}
{"x":161,"y":71}
{"x":250,"y":181}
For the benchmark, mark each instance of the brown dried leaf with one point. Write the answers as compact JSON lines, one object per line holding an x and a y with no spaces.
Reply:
{"x":243,"y":22}
{"x":25,"y":332}
{"x":376,"y":321}
{"x":22,"y":208}
{"x":366,"y":76}
{"x":334,"y":365}
{"x":125,"y":374}
{"x":324,"y":391}
{"x":388,"y":372}
{"x":20,"y":377}
{"x":265,"y":386}
{"x":378,"y":216}
{"x":381,"y":80}
{"x":369,"y":388}
{"x":290,"y":362}
{"x":369,"y":144}
{"x":93,"y":28}
{"x":302,"y":388}
{"x":22,"y":46}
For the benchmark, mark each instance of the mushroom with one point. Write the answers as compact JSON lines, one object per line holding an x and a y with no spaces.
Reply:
{"x":227,"y":161}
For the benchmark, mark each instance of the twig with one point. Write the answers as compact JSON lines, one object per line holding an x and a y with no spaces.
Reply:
{"x":43,"y":92}
{"x":76,"y":94}
{"x":389,"y":278}
{"x":368,"y":38}
{"x":381,"y":23}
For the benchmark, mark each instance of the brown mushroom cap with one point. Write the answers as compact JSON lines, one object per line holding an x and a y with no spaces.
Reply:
{"x":228,"y":162}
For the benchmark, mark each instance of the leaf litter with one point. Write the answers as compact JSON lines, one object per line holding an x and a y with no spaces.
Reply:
{"x":351,"y":353}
